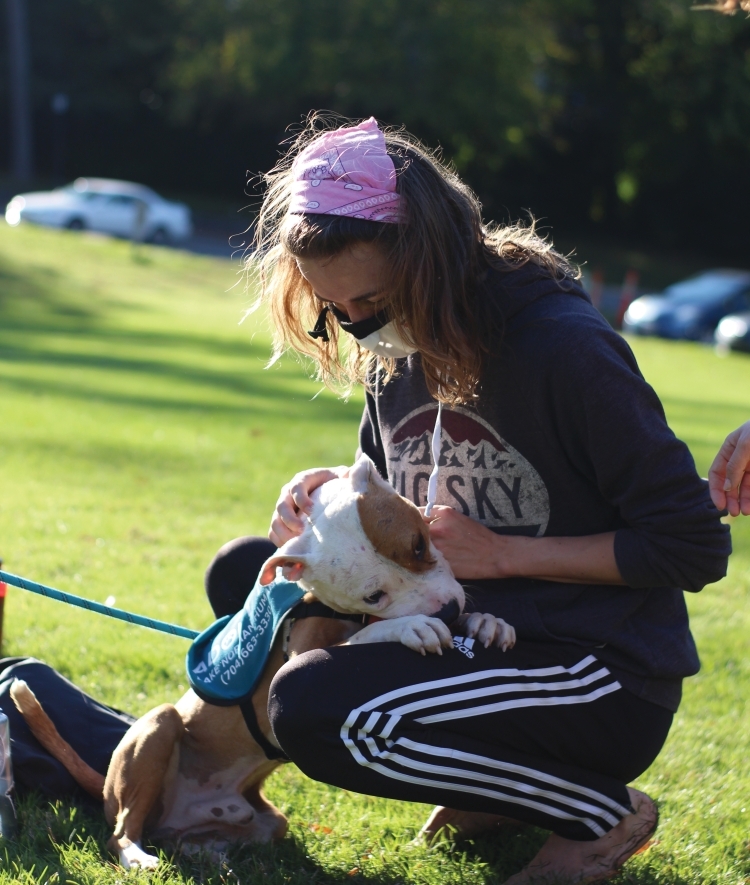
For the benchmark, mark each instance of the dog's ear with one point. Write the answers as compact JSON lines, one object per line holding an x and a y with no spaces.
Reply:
{"x":364,"y":473}
{"x":292,"y":558}
{"x":359,"y":473}
{"x":292,"y":568}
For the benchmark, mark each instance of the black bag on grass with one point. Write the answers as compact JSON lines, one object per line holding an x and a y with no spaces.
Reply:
{"x":91,"y":728}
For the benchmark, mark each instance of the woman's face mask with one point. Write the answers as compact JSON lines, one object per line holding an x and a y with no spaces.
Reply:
{"x":376,"y":334}
{"x":387,"y":341}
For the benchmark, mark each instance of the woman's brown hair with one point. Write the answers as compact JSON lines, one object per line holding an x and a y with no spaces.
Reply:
{"x":437,"y":257}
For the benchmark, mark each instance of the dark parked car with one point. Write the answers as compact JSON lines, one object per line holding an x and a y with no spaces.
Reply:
{"x":733,"y":332}
{"x":692,"y":308}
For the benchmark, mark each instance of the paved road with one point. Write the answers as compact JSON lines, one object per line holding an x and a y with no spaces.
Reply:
{"x":218,"y":236}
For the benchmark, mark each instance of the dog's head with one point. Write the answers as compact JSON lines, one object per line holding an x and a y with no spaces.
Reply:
{"x":366,"y":549}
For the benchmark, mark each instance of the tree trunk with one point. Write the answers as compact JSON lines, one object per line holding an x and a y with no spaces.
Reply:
{"x":22,"y":163}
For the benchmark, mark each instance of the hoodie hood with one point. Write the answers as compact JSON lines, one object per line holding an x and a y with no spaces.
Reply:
{"x":514,"y":290}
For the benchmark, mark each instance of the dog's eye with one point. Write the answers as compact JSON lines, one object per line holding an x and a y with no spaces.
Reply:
{"x":420,"y":547}
{"x":373,"y":598}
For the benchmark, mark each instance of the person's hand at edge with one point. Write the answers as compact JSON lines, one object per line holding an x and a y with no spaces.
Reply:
{"x":729,"y":476}
{"x":294,"y":499}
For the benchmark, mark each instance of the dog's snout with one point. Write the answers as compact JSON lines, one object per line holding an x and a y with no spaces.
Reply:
{"x":449,"y":612}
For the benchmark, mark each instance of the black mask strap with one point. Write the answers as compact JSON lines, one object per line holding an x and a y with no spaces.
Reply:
{"x":321,"y":329}
{"x":362,"y":328}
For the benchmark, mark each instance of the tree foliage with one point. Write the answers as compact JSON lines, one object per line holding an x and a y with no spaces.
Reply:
{"x":632,"y":116}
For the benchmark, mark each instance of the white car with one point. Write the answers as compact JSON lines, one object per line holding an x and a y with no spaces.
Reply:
{"x":120,"y":208}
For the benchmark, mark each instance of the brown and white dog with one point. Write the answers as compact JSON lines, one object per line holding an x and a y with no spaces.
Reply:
{"x":191,"y":774}
{"x":366,"y":550}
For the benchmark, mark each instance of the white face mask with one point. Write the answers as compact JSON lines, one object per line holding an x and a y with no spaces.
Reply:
{"x":376,"y":334}
{"x":387,"y":342}
{"x":379,"y":335}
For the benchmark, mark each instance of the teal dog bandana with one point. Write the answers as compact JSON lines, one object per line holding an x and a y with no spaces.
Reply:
{"x":226,"y":661}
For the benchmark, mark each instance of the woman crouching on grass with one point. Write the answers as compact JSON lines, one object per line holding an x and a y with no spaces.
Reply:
{"x":565,"y":505}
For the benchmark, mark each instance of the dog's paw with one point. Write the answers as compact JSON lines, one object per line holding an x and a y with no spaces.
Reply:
{"x":488,"y":629}
{"x":418,"y":632}
{"x":133,"y":856}
{"x":423,"y":634}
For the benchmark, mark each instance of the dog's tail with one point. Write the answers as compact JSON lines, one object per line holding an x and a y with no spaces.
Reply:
{"x":43,"y":729}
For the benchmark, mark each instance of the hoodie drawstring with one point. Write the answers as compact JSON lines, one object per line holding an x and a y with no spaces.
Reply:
{"x":437,"y":435}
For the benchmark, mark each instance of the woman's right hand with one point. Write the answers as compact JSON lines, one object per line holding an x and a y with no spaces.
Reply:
{"x":295,"y":499}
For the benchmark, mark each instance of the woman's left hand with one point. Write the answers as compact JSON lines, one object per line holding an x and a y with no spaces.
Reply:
{"x":472,"y":550}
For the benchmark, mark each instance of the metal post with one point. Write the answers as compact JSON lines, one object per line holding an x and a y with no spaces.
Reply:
{"x":3,"y":592}
{"x":629,"y":294}
{"x":60,"y":105}
{"x":22,"y":167}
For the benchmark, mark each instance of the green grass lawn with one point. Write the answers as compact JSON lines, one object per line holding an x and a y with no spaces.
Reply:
{"x":139,"y":431}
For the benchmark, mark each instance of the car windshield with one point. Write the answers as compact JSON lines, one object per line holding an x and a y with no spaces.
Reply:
{"x":704,"y":289}
{"x":139,"y":192}
{"x":73,"y":189}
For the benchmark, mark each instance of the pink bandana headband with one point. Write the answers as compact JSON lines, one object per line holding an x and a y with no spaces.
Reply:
{"x":346,"y":172}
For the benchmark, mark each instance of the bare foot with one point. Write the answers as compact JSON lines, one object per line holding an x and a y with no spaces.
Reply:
{"x":462,"y":824}
{"x":565,"y":862}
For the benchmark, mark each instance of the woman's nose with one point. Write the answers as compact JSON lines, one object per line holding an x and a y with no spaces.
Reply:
{"x":357,"y":312}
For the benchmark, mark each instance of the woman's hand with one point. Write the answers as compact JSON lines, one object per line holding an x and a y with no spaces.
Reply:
{"x":294,"y":499}
{"x":474,"y":552}
{"x":470,"y":548}
{"x":729,"y":476}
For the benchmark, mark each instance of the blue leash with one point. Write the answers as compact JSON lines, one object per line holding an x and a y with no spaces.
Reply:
{"x":98,"y":607}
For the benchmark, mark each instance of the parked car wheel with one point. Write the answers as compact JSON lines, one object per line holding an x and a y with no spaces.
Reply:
{"x":160,"y":237}
{"x":76,"y":224}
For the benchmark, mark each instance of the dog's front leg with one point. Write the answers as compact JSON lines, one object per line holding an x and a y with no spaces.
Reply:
{"x":135,"y":781}
{"x":417,"y":632}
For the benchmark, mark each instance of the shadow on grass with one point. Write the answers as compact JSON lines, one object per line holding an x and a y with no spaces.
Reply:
{"x":279,"y":398}
{"x":40,"y":289}
{"x":64,"y":841}
{"x":12,"y":327}
{"x":508,"y":851}
{"x":46,"y":324}
{"x":61,"y":842}
{"x":275,"y":386}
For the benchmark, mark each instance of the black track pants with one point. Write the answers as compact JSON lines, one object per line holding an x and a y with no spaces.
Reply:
{"x":233,"y":571}
{"x":541,"y":733}
{"x":91,"y":728}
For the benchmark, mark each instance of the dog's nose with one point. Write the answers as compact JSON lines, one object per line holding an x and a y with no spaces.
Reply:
{"x":448,"y":613}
